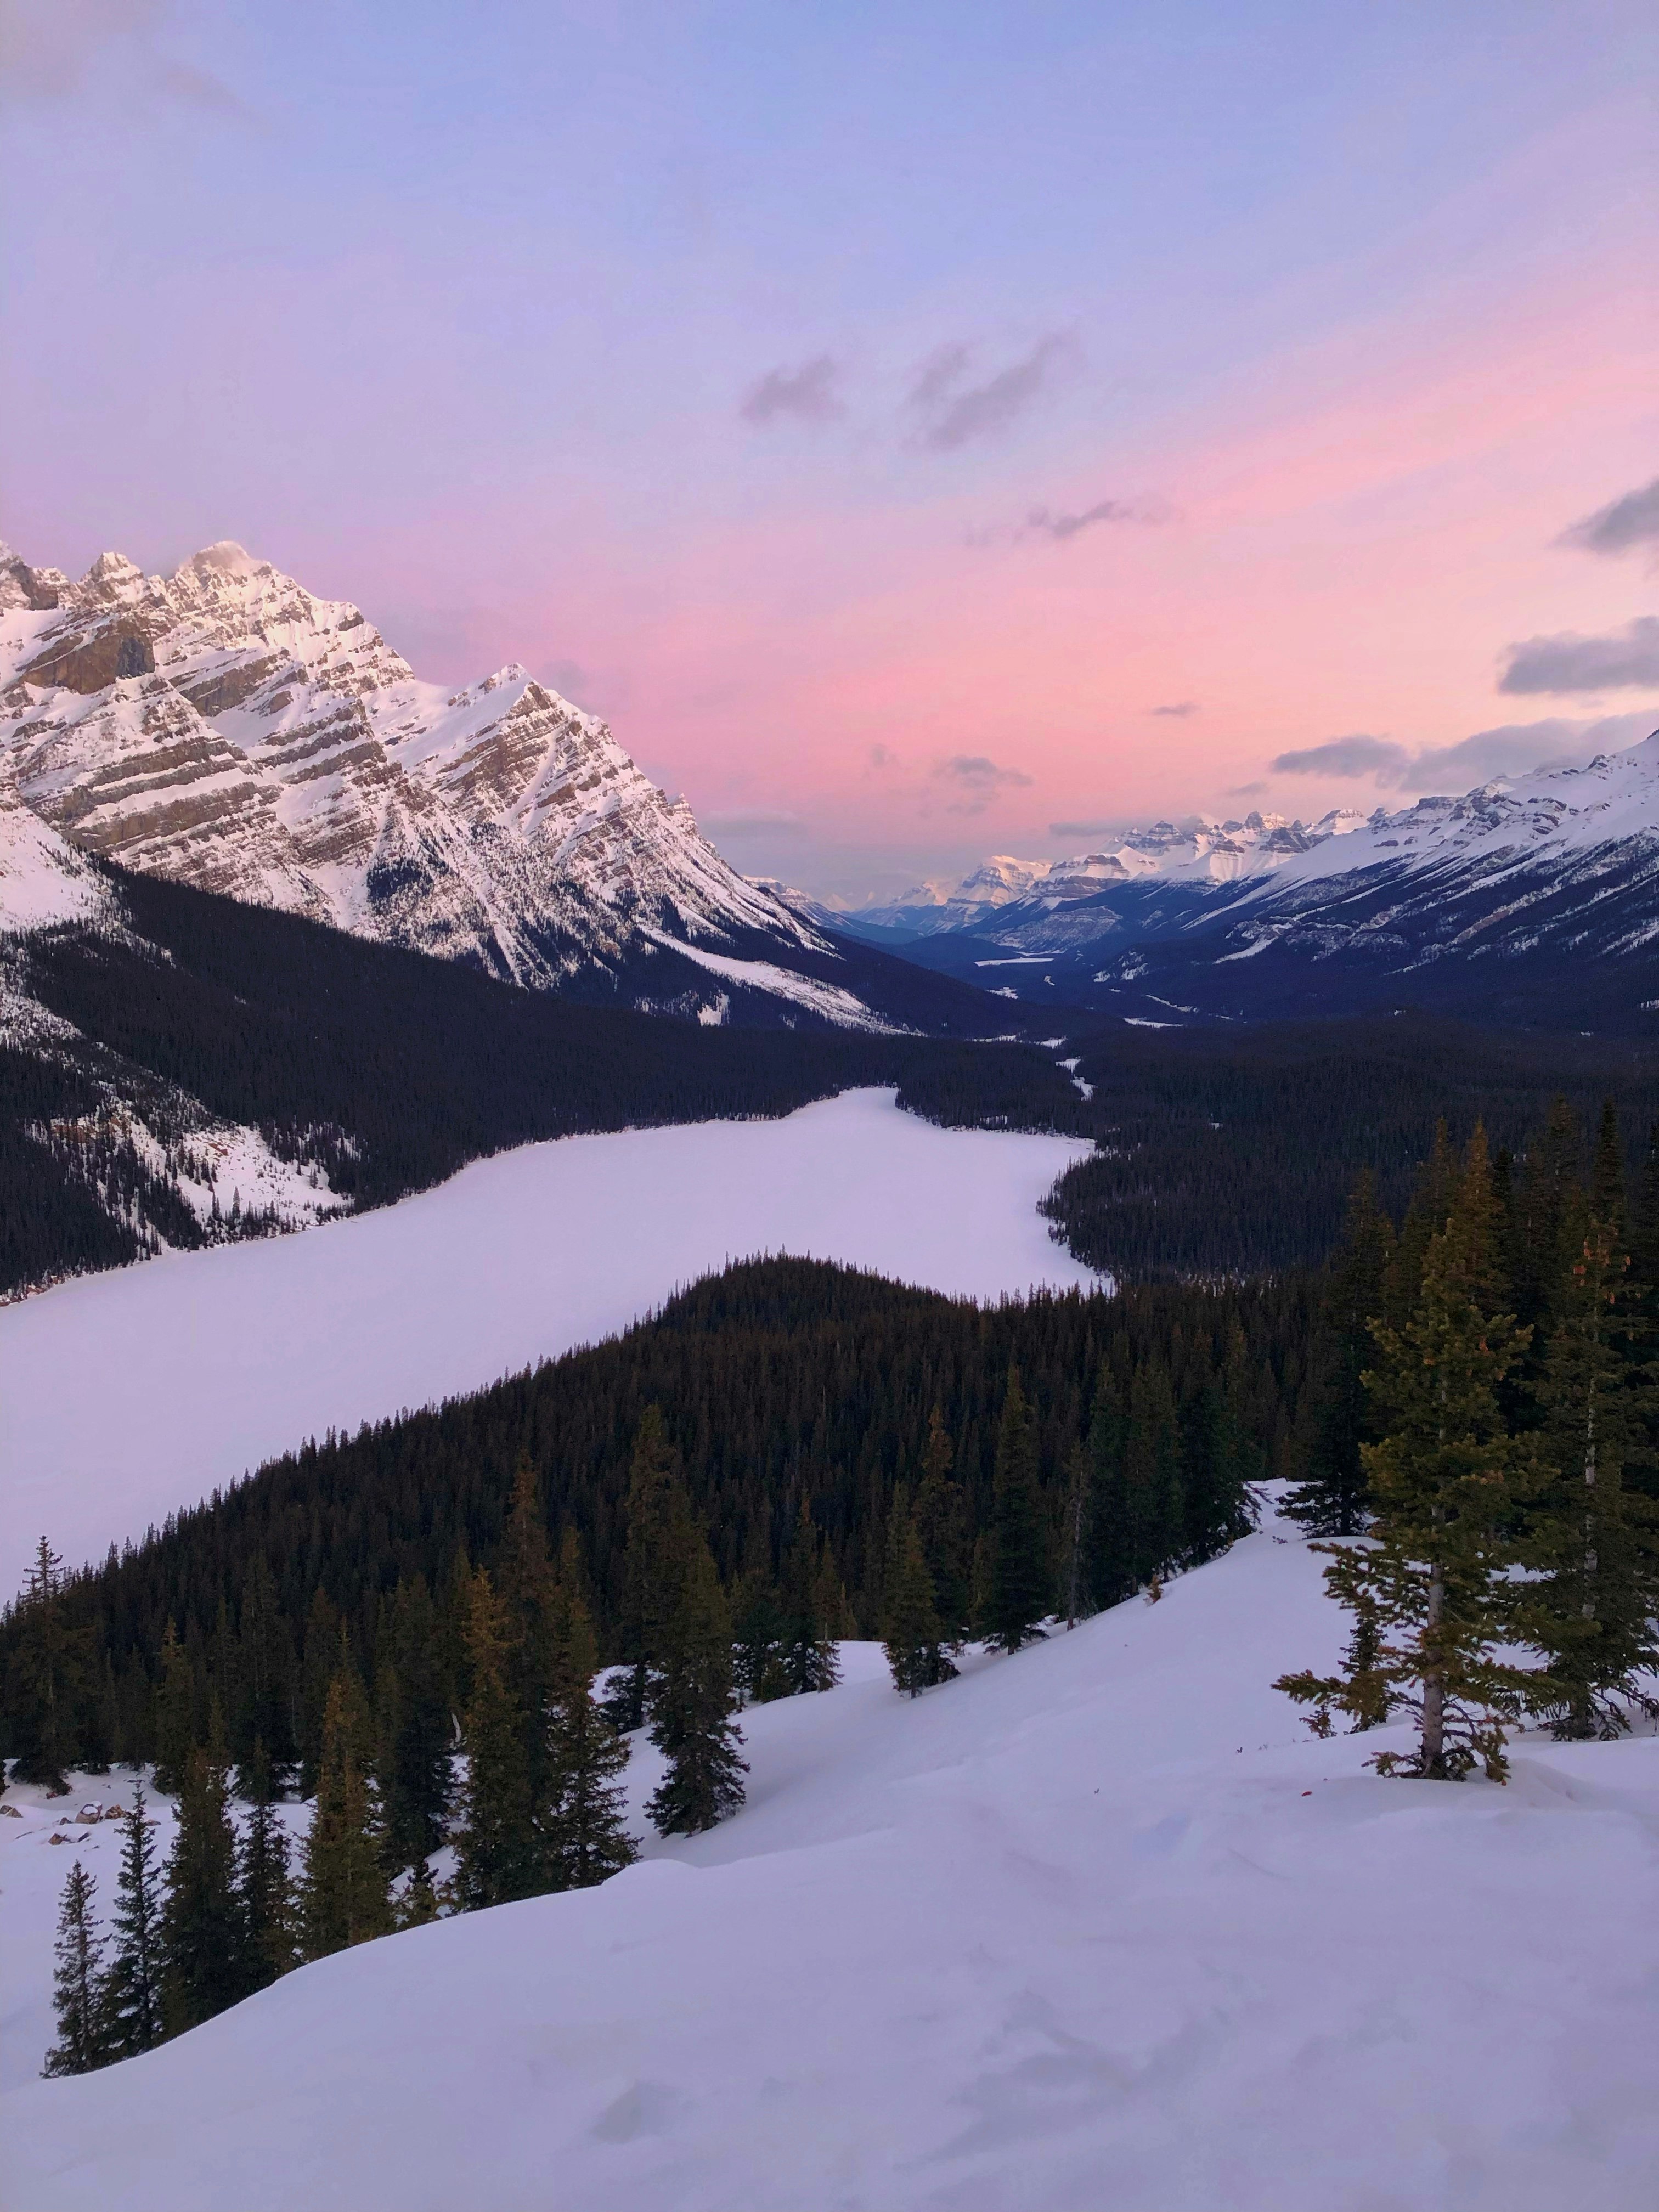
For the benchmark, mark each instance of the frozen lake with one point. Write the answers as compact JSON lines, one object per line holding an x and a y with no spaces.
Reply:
{"x":126,"y":1395}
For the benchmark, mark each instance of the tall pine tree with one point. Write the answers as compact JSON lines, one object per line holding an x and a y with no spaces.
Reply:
{"x":1593,"y":1542}
{"x":204,"y":1962}
{"x":910,"y":1631}
{"x":580,"y":1815}
{"x":1019,"y":1595}
{"x":1447,"y":1482}
{"x":133,"y":1990}
{"x":499,"y":1851}
{"x":692,"y":1725}
{"x":345,"y":1895}
{"x":1330,"y":1499}
{"x":77,"y":1982}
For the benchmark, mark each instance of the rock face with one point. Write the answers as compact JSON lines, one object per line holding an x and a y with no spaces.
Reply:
{"x":224,"y":727}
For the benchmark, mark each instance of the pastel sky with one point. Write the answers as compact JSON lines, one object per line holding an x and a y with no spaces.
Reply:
{"x":923,"y":429}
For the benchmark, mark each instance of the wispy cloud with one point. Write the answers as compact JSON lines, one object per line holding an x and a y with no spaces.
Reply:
{"x":1620,"y":526}
{"x":952,"y":412}
{"x":810,"y":393}
{"x":1358,"y":755}
{"x":1085,"y":828}
{"x":1510,"y":749}
{"x":977,"y":780}
{"x":1619,"y":662}
{"x":49,"y":49}
{"x":1179,"y":711}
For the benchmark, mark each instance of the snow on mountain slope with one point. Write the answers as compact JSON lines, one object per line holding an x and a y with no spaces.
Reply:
{"x":1203,"y":852}
{"x":225,"y":1173}
{"x":225,"y":726}
{"x":1095,"y":1929}
{"x":208,"y":1363}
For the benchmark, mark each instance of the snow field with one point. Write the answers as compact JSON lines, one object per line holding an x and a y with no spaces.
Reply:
{"x":1098,"y":1926}
{"x":126,"y":1396}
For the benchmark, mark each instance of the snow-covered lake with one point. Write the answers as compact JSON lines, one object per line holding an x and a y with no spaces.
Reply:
{"x":126,"y":1396}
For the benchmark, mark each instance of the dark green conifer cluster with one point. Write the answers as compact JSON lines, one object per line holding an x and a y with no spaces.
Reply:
{"x":1483,"y":1408}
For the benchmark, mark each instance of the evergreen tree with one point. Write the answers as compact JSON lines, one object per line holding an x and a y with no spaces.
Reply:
{"x":581,"y":1819}
{"x":808,"y":1654}
{"x":83,"y":2039}
{"x":1019,"y":1593}
{"x":1152,"y":1473}
{"x":175,"y":1713}
{"x":1330,"y":1499}
{"x":321,"y":1664}
{"x":1075,"y":1532}
{"x":132,"y":1990}
{"x":499,"y":1851}
{"x":414,"y":1733}
{"x":46,"y":1680}
{"x":264,"y":1884}
{"x":656,"y":1515}
{"x":264,"y":1709}
{"x":1593,"y":1542}
{"x":692,"y":1725}
{"x":1447,"y":1480}
{"x":757,"y":1640}
{"x":942,"y":1525}
{"x":204,"y":1966}
{"x":530,"y":1618}
{"x":910,"y":1632}
{"x":418,"y":1906}
{"x":344,"y":1894}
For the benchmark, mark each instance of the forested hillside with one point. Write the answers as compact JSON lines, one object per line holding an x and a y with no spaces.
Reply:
{"x":1225,"y":1153}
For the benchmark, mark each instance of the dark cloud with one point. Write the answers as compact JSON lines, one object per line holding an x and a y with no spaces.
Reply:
{"x":1621,"y":526}
{"x":1358,"y":755}
{"x":952,"y":413}
{"x":1567,"y":662}
{"x":882,"y":756}
{"x":809,"y":394}
{"x":977,"y":780}
{"x":1062,"y":526}
{"x":1179,"y":711}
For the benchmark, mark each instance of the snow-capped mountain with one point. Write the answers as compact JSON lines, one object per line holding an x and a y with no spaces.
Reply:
{"x":224,"y":727}
{"x":1201,"y":851}
{"x":1534,"y":899}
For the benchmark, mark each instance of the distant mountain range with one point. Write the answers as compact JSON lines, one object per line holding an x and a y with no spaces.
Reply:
{"x":1533,"y":902}
{"x":224,"y":727}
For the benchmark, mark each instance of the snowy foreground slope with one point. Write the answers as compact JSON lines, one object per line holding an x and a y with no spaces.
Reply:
{"x":128,"y":1395}
{"x":1095,"y":1927}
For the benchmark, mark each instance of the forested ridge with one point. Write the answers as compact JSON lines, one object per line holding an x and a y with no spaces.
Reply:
{"x":784,"y":1385}
{"x":1228,"y":1151}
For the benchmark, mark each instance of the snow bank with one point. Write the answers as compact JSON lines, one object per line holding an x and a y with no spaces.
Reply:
{"x":129,"y":1395}
{"x":1096,"y":1927}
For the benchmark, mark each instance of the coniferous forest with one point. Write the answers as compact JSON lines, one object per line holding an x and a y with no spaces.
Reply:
{"x":439,"y":1630}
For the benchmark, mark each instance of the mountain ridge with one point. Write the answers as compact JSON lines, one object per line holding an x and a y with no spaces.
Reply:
{"x":226,"y":728}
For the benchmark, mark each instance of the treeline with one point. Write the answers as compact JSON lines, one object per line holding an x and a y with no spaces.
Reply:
{"x":1226,"y":1152}
{"x":385,"y":1069}
{"x":1486,"y":1411}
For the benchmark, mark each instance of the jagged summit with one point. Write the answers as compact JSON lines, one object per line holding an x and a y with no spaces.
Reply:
{"x":226,"y":727}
